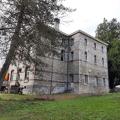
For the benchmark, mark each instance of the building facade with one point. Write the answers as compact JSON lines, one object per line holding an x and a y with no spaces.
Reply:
{"x":81,"y":68}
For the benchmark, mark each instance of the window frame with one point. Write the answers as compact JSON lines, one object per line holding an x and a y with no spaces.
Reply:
{"x":95,"y":46}
{"x":86,"y":41}
{"x":95,"y":59}
{"x":86,"y":80}
{"x":85,"y":56}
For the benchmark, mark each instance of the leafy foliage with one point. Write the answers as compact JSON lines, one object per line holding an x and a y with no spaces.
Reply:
{"x":28,"y":21}
{"x":109,"y":31}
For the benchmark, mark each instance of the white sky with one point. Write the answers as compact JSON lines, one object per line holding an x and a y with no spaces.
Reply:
{"x":88,"y":15}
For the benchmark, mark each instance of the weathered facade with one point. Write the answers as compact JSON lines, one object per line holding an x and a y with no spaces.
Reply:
{"x":81,"y":68}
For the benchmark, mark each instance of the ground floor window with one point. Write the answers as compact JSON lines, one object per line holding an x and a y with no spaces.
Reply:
{"x":11,"y":76}
{"x":27,"y":73}
{"x":71,"y":78}
{"x":97,"y":82}
{"x":104,"y":82}
{"x":86,"y":79}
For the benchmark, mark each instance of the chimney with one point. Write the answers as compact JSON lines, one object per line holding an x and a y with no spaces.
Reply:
{"x":57,"y":23}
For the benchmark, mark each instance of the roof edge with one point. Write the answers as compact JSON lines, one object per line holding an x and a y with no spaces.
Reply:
{"x":88,"y":35}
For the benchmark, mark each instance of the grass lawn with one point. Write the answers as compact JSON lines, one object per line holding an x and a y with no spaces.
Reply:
{"x":22,"y":107}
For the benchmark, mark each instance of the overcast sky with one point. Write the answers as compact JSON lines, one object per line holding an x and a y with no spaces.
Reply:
{"x":89,"y":14}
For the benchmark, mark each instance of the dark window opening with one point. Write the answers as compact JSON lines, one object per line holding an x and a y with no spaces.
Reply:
{"x":62,"y":55}
{"x":27,"y":72}
{"x":72,"y":55}
{"x":85,"y":56}
{"x":20,"y":70}
{"x":95,"y":59}
{"x":85,"y":42}
{"x":103,"y":61}
{"x":71,"y":78}
{"x":104,"y":82}
{"x":102,"y":49}
{"x":97,"y":82}
{"x":95,"y":46}
{"x":71,"y":42}
{"x":86,"y":79}
{"x":12,"y":73}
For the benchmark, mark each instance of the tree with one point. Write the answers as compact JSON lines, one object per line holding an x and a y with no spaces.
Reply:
{"x":28,"y":21}
{"x":114,"y":63}
{"x":109,"y":32}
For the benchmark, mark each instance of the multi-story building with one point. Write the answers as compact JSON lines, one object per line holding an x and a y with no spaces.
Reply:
{"x":81,"y":68}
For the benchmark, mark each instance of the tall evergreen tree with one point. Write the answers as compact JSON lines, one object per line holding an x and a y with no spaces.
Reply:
{"x":26,"y":22}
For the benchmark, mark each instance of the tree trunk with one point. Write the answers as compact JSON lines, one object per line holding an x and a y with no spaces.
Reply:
{"x":15,"y":42}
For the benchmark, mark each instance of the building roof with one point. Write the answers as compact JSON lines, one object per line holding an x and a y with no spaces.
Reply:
{"x":84,"y":33}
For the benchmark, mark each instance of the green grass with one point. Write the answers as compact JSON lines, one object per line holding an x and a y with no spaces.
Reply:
{"x":22,"y":107}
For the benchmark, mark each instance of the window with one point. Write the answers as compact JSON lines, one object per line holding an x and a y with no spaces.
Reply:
{"x":64,"y":43}
{"x":104,"y":82}
{"x":71,"y":42}
{"x":85,"y":56}
{"x":12,"y":73}
{"x":95,"y":46}
{"x":85,"y":42}
{"x":103,"y":61}
{"x":71,"y":78}
{"x":27,"y":72}
{"x":20,"y":70}
{"x":71,"y":56}
{"x":95,"y":59}
{"x":86,"y":79}
{"x":97,"y":82}
{"x":102,"y":49}
{"x":62,"y":55}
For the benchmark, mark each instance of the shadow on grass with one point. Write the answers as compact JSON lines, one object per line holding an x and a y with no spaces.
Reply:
{"x":16,"y":97}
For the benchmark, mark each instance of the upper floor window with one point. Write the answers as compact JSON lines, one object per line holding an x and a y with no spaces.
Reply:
{"x":85,"y":56}
{"x":95,"y":46}
{"x":71,"y":42}
{"x":64,"y":43}
{"x":85,"y":40}
{"x":103,"y":61}
{"x":62,"y":55}
{"x":102,"y":48}
{"x":95,"y":59}
{"x":72,"y":55}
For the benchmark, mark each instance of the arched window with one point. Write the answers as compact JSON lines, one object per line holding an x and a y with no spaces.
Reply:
{"x":102,"y":48}
{"x":27,"y":72}
{"x":85,"y":42}
{"x":103,"y":61}
{"x":11,"y":75}
{"x":95,"y":46}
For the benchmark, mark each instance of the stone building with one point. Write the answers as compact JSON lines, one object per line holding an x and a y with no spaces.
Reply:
{"x":81,"y":68}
